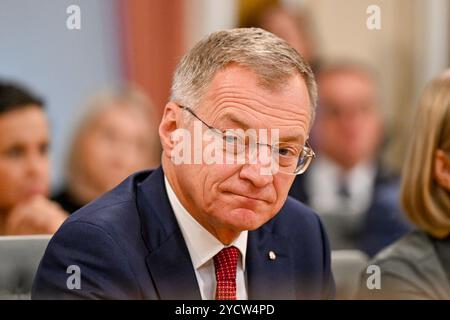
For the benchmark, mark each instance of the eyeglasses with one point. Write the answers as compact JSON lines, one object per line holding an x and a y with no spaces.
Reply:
{"x":291,"y":158}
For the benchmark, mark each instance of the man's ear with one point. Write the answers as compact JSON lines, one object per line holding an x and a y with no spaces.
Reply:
{"x":170,"y":121}
{"x":442,"y":169}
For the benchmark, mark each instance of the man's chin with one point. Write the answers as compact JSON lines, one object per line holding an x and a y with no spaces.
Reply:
{"x":246,"y":219}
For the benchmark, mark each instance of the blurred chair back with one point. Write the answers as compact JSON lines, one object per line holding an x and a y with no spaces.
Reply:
{"x":19,"y":260}
{"x":347,"y":266}
{"x":343,"y":230}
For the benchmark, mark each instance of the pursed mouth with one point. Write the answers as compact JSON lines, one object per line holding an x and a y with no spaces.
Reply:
{"x":246,"y":196}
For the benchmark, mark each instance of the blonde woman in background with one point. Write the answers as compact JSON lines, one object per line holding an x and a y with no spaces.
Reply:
{"x":418,"y":265}
{"x":116,"y":137}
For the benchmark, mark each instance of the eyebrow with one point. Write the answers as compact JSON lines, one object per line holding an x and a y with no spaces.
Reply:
{"x":236,"y":120}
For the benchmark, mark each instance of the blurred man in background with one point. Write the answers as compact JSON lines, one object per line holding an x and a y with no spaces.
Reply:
{"x":24,"y":165}
{"x":356,"y":198}
{"x":116,"y":137}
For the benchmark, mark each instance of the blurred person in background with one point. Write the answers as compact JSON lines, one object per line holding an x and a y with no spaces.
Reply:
{"x":418,"y":265}
{"x":24,"y":165}
{"x":296,"y":28}
{"x":346,"y":185}
{"x":117,"y":136}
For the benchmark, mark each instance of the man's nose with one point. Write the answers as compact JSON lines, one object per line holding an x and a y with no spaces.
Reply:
{"x":256,"y":174}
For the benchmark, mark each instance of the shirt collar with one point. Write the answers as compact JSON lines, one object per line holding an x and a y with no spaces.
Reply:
{"x":202,"y":245}
{"x":359,"y":177}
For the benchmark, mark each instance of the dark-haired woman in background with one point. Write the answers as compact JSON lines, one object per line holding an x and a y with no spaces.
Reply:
{"x":24,"y":165}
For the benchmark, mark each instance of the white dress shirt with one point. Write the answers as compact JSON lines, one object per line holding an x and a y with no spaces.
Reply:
{"x":323,"y":182}
{"x":203,"y":246}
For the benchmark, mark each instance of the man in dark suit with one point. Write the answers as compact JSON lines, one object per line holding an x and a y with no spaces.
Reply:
{"x":380,"y":224}
{"x":214,"y":222}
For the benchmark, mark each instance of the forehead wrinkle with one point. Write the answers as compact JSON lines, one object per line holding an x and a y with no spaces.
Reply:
{"x":231,"y":91}
{"x":227,"y":113}
{"x":252,"y":106}
{"x":231,"y":117}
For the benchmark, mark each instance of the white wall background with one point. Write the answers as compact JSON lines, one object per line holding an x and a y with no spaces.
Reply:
{"x":63,"y":66}
{"x":206,"y":16}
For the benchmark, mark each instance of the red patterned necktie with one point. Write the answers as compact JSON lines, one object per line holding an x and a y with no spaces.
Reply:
{"x":225,"y":263}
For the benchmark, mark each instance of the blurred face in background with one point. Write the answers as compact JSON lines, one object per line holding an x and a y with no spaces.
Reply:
{"x":294,"y":30}
{"x":24,"y":161}
{"x":111,"y":147}
{"x":349,"y":124}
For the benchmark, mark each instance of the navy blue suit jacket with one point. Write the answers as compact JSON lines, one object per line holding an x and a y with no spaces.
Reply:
{"x":383,"y":222}
{"x":128,"y":245}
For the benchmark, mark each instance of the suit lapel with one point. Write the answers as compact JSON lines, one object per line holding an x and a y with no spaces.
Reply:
{"x":270,"y":270}
{"x":172,"y":272}
{"x":171,"y":268}
{"x":168,"y":261}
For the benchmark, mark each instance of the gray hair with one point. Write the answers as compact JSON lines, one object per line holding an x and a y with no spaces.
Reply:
{"x":271,"y":58}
